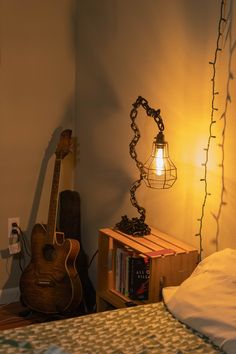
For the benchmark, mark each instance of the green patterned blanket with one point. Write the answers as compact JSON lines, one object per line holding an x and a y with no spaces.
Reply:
{"x":140,"y":329}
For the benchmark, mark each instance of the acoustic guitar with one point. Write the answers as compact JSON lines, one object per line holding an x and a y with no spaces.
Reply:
{"x":50,"y":283}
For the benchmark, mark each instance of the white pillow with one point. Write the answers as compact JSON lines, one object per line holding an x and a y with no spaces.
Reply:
{"x":206,"y":301}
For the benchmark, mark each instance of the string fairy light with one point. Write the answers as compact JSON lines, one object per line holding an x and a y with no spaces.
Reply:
{"x":223,"y":117}
{"x":214,"y":109}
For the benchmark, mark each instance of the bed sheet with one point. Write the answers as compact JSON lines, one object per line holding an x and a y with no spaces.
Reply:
{"x":141,"y":329}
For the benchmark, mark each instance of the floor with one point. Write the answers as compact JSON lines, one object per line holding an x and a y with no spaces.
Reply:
{"x":15,"y":315}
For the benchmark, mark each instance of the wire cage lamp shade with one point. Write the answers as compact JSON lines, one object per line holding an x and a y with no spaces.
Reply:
{"x":160,"y":171}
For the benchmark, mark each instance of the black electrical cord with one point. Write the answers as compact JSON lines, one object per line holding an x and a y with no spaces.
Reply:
{"x":24,"y":246}
{"x":92,"y":259}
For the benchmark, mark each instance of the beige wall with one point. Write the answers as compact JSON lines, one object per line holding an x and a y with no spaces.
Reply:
{"x":160,"y":50}
{"x":37,"y":82}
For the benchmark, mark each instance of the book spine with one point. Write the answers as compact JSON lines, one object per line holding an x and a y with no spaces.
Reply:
{"x":118,"y":270}
{"x":132,"y":274}
{"x":139,"y":278}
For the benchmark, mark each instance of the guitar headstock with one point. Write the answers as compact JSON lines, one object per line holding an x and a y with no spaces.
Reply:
{"x":64,"y":145}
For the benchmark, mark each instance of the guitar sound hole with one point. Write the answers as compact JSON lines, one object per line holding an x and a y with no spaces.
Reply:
{"x":49,"y":252}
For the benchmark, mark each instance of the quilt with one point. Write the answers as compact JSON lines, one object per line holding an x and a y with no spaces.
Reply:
{"x":143,"y":329}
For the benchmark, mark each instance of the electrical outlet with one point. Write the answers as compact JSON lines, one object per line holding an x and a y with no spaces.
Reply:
{"x":11,"y":221}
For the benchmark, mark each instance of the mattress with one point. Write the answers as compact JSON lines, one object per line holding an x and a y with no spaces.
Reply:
{"x":141,"y":329}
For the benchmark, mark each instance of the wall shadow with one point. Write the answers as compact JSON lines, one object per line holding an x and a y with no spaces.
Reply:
{"x":19,"y":261}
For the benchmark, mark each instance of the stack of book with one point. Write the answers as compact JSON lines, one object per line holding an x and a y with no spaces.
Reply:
{"x":132,"y":274}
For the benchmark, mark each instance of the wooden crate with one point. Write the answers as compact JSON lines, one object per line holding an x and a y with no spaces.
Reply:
{"x":171,"y":262}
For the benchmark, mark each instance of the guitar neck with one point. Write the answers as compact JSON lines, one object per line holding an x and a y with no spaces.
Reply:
{"x":52,"y":214}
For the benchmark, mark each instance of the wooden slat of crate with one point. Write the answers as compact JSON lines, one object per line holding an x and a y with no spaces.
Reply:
{"x":173,"y":241}
{"x":175,"y":269}
{"x":154,"y":285}
{"x":150,"y":244}
{"x":145,"y":241}
{"x":156,"y":241}
{"x":127,"y":241}
{"x":104,"y":280}
{"x":164,"y":244}
{"x":141,"y":244}
{"x":145,"y":245}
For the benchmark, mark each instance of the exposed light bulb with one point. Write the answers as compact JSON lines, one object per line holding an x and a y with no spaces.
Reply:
{"x":160,"y":170}
{"x":159,"y":161}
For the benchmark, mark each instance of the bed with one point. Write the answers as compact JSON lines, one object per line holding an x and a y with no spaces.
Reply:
{"x":141,"y":329}
{"x":184,"y":322}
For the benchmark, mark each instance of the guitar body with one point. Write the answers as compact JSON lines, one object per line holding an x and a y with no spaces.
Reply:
{"x":50,"y":283}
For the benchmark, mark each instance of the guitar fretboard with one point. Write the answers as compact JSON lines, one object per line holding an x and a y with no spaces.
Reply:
{"x":52,"y":214}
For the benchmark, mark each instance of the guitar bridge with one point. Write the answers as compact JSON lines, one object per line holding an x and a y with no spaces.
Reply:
{"x":46,"y":282}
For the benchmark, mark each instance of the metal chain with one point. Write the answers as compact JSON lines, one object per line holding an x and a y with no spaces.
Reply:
{"x":133,"y":114}
{"x":137,"y":226}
